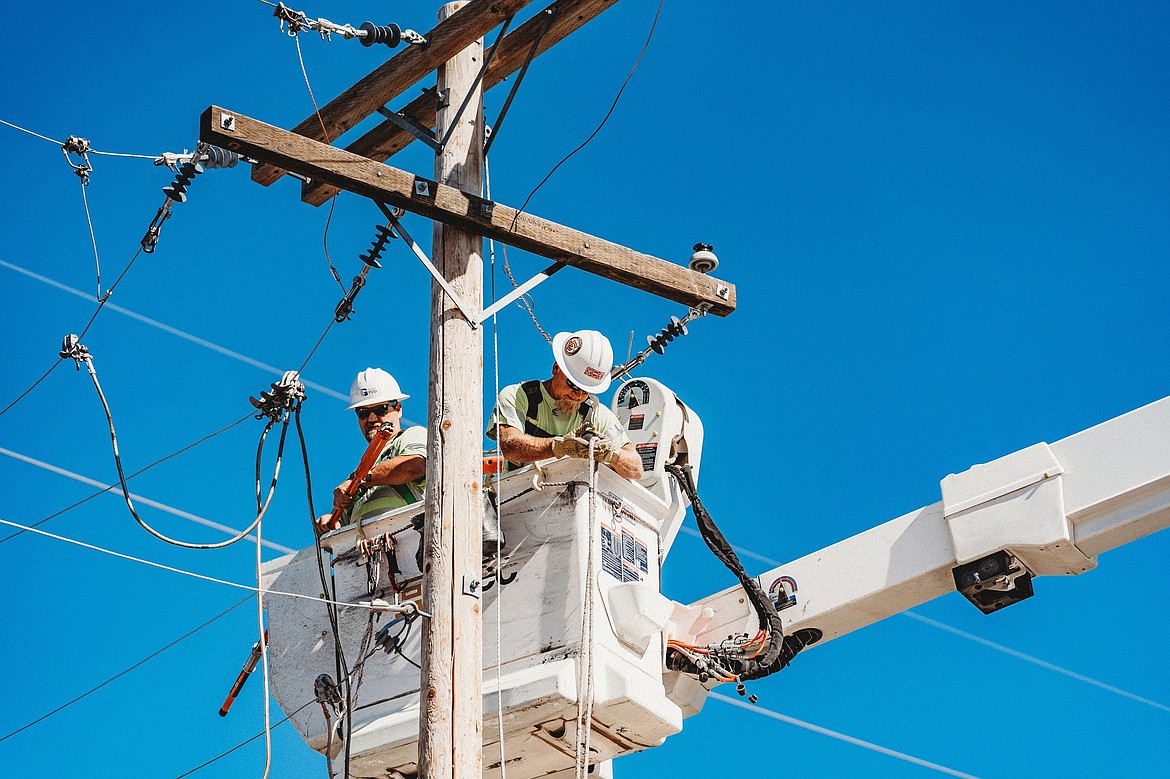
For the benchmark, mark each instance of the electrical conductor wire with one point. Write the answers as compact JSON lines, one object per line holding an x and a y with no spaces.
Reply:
{"x":120,"y":674}
{"x":140,"y":471}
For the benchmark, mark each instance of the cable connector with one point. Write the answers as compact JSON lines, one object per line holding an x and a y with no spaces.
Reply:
{"x":73,"y":349}
{"x":286,"y":394}
{"x":79,"y":147}
{"x":368,"y":33}
{"x":326,"y":692}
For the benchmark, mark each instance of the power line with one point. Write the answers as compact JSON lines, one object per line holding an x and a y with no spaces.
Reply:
{"x":138,"y":498}
{"x":173,"y":331}
{"x":159,"y":461}
{"x":840,"y":736}
{"x":192,"y":574}
{"x":120,"y":674}
{"x":90,"y":151}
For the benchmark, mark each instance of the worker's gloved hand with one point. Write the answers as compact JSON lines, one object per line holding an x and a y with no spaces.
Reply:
{"x":570,"y":446}
{"x":605,"y":450}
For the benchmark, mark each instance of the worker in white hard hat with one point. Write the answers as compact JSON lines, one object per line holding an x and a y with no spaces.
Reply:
{"x":557,"y":417}
{"x":398,"y":477}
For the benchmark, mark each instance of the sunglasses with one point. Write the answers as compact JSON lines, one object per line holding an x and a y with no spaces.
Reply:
{"x":573,"y":387}
{"x":381,"y":410}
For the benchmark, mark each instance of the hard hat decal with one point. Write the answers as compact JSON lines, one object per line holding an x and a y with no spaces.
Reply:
{"x":572,"y":346}
{"x":590,"y":371}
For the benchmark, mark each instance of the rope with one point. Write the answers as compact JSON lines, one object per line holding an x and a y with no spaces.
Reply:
{"x":496,"y":498}
{"x":120,"y":674}
{"x":585,"y":667}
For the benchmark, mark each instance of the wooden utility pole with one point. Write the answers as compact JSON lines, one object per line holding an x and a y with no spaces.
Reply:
{"x":451,"y":709}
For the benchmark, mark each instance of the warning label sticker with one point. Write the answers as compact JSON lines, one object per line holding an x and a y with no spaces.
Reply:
{"x":623,"y":556}
{"x":611,"y":558}
{"x":647,"y":452}
{"x":636,"y":421}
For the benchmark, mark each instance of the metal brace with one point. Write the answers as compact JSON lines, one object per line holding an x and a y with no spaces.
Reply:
{"x":438,"y":277}
{"x":521,"y":290}
{"x":412,"y":126}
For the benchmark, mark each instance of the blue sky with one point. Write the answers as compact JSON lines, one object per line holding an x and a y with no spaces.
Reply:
{"x":949,"y":226}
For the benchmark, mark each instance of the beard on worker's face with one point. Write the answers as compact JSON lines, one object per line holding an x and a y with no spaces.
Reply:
{"x":567,"y":406}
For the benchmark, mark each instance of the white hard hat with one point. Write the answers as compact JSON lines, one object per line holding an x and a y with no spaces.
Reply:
{"x":585,"y":357}
{"x":373,"y":386}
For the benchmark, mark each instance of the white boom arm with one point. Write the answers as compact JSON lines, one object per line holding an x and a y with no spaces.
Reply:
{"x":1052,"y":508}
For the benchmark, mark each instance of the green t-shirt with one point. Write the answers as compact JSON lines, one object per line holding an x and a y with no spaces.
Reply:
{"x":384,"y":497}
{"x":512,"y":409}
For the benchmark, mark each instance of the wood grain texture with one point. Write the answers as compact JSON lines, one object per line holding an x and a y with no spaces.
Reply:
{"x":395,"y":76}
{"x":387,"y":139}
{"x":454,"y":207}
{"x":451,"y":722}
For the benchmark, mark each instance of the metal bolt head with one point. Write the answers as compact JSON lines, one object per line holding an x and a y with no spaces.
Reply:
{"x":228,"y":122}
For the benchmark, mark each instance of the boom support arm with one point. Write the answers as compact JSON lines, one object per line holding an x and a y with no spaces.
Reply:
{"x":1052,"y":508}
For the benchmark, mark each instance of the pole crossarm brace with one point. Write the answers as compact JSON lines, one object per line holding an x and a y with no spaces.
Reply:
{"x":388,"y":138}
{"x":395,"y":76}
{"x":451,"y":206}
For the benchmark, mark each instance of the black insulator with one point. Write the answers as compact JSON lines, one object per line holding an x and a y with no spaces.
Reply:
{"x":377,"y":246}
{"x":391,"y":34}
{"x":177,"y":191}
{"x":675,"y":329}
{"x":216,"y":157}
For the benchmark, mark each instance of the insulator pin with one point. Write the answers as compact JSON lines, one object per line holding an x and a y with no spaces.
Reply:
{"x":391,"y":34}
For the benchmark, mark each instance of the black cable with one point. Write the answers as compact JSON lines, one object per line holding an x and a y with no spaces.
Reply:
{"x":128,"y":478}
{"x":608,"y":113}
{"x":128,"y":670}
{"x":781,"y":649}
{"x":100,"y":305}
{"x":126,"y":491}
{"x":20,"y":397}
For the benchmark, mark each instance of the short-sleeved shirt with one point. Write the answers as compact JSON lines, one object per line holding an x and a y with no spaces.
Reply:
{"x":384,"y":497}
{"x":512,"y":409}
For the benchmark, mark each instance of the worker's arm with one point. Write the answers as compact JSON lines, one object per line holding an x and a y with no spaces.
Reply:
{"x":523,"y":448}
{"x":520,"y":447}
{"x":628,"y":464}
{"x":402,"y":469}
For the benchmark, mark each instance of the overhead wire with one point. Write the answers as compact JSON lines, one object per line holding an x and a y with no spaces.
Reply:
{"x":140,"y":471}
{"x":126,"y":491}
{"x":182,"y":572}
{"x":608,"y":114}
{"x":139,"y":499}
{"x":840,"y":736}
{"x":91,"y":151}
{"x":122,"y":673}
{"x":174,"y":331}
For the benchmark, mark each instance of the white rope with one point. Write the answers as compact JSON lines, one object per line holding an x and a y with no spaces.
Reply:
{"x":496,"y":499}
{"x":192,"y":574}
{"x":263,"y":649}
{"x":585,"y":659}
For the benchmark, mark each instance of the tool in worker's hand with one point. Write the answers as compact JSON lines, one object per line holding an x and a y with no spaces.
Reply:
{"x":381,"y":436}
